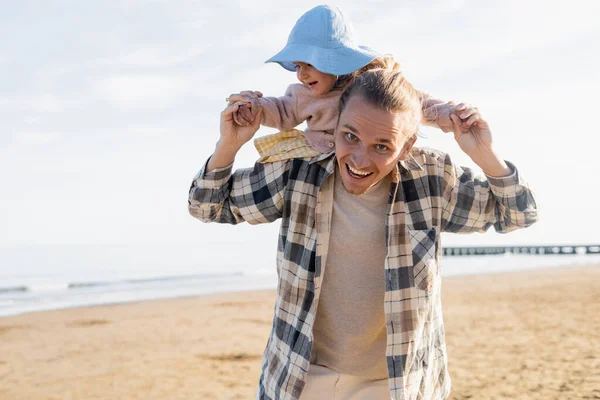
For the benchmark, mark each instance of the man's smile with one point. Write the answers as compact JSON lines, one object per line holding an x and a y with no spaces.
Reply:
{"x":356,"y":173}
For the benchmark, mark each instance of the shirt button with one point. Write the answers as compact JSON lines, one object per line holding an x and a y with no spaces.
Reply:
{"x":330,"y":144}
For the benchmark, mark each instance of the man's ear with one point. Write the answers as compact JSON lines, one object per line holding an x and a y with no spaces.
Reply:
{"x":407,"y":147}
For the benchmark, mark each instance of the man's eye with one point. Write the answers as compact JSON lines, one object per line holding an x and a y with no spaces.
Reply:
{"x":351,"y":136}
{"x":382,"y":147}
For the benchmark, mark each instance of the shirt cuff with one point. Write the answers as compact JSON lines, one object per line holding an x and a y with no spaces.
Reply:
{"x":212,"y":179}
{"x":507,"y":186}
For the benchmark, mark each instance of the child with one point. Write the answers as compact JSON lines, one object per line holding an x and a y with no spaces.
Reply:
{"x":322,"y":50}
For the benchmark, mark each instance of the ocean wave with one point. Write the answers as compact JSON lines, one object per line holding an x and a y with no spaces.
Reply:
{"x":47,"y":287}
{"x":60,"y":286}
{"x":14,"y":289}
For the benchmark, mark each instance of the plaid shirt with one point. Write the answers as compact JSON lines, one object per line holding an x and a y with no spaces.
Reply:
{"x":428,"y":195}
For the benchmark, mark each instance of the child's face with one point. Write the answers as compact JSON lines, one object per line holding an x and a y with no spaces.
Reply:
{"x":318,"y":82}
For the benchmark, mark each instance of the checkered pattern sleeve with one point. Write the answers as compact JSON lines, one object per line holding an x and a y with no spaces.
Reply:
{"x":474,"y":205}
{"x":253,"y":195}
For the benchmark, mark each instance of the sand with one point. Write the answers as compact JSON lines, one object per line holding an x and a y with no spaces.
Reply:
{"x":525,"y":335}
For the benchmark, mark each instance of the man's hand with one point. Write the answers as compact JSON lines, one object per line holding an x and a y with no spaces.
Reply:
{"x":248,"y":110}
{"x":233,"y":134}
{"x":233,"y":137}
{"x":243,"y":116}
{"x":474,"y":136}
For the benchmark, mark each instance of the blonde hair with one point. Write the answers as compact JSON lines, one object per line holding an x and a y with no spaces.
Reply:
{"x":386,"y":62}
{"x":388,"y":89}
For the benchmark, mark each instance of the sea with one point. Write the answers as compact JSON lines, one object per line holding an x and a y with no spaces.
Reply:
{"x":43,"y":278}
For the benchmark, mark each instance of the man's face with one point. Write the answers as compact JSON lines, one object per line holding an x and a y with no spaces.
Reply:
{"x":369,"y":142}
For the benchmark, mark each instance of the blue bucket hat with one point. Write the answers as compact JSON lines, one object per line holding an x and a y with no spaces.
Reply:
{"x":324,"y":38}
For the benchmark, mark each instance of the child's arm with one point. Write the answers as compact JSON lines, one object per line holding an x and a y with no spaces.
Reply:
{"x":277,"y":112}
{"x":436,"y":112}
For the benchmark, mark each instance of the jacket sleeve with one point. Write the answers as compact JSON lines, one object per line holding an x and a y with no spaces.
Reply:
{"x":254,"y":195}
{"x":474,"y":205}
{"x":436,"y":112}
{"x":280,"y":112}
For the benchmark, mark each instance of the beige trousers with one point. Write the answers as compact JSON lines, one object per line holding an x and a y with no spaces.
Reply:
{"x":323,"y":383}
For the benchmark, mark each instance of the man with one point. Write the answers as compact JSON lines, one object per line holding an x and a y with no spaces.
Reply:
{"x":359,"y":238}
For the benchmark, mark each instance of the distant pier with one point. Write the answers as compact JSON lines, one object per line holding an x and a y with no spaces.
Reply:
{"x":542,"y":250}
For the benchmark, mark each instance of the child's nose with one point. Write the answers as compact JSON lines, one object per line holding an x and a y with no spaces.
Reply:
{"x":302,"y":73}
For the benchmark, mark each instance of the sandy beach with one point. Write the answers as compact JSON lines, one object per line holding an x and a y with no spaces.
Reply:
{"x":522,"y":335}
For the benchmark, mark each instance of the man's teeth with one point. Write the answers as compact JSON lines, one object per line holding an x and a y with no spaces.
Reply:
{"x":357,"y":172}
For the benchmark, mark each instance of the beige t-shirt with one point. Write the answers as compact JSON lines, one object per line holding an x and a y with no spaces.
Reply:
{"x":349,"y":331}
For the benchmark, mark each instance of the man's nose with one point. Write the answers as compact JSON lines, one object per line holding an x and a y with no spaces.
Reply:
{"x":360,"y":159}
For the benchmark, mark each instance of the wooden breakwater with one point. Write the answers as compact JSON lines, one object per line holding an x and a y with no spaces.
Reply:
{"x":539,"y":250}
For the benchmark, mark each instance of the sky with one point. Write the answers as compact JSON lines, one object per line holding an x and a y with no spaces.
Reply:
{"x":108,"y":109}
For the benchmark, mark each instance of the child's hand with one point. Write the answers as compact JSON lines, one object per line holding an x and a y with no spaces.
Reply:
{"x":439,"y":114}
{"x":246,"y":113}
{"x":243,"y":116}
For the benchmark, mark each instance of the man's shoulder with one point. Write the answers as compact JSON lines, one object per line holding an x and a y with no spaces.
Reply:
{"x":428,"y":154}
{"x":321,"y":159}
{"x":310,"y":171}
{"x":427,"y":159}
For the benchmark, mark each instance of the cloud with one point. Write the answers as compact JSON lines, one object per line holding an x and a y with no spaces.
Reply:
{"x":141,"y":91}
{"x":35,"y":138}
{"x":149,"y":57}
{"x":143,"y":77}
{"x":433,"y":41}
{"x":34,"y":102}
{"x":141,"y":132}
